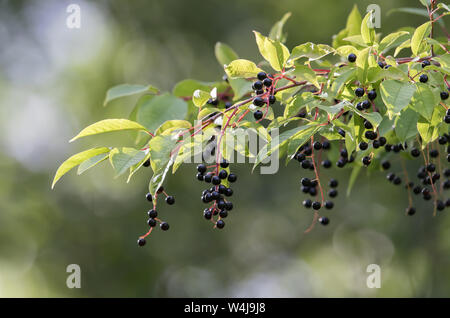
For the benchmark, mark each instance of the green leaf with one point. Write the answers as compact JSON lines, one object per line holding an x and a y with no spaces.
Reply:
{"x":153,"y":112}
{"x":396,"y":95}
{"x":392,"y":40}
{"x":417,"y":11}
{"x":224,"y":53}
{"x":311,"y":51}
{"x":364,"y":61}
{"x":242,"y":68}
{"x":75,"y":160}
{"x":423,"y":101}
{"x":406,"y":124}
{"x":298,"y":102}
{"x":274,"y":52}
{"x":426,"y":131}
{"x":343,"y":75}
{"x":170,"y":126}
{"x":124,"y":158}
{"x":275,"y":144}
{"x":374,"y":118}
{"x":356,"y":39}
{"x":375,"y":74}
{"x":108,"y":125}
{"x":91,"y":162}
{"x":300,"y":138}
{"x":304,"y":73}
{"x":367,"y":29}
{"x":136,"y":167}
{"x":127,"y":90}
{"x":418,"y":45}
{"x":199,"y":97}
{"x":402,"y":46}
{"x":162,"y":158}
{"x":240,"y":87}
{"x":187,"y":87}
{"x":353,"y":26}
{"x":276,"y":33}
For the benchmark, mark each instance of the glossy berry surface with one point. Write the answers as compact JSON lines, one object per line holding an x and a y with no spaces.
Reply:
{"x":351,"y":57}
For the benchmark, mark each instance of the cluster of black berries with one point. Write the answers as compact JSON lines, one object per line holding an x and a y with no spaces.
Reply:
{"x":153,"y":219}
{"x":427,"y":175}
{"x":264,"y":92}
{"x":217,"y":193}
{"x":309,"y":186}
{"x":365,"y":104}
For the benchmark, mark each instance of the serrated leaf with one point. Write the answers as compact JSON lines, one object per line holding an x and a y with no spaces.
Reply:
{"x":75,"y":160}
{"x":123,"y":90}
{"x":241,"y":69}
{"x":153,"y":112}
{"x":274,"y":52}
{"x":109,"y":125}
{"x":396,"y":95}
{"x":418,"y":44}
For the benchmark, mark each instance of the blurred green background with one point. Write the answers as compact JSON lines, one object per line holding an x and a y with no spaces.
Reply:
{"x":52,"y":84}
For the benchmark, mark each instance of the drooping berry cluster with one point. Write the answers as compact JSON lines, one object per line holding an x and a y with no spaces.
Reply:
{"x":217,"y":195}
{"x":309,"y":186}
{"x":153,"y":219}
{"x":264,"y":92}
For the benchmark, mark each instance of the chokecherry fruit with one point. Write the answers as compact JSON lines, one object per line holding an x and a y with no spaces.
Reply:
{"x":423,"y":78}
{"x":261,"y":76}
{"x":220,"y":224}
{"x":258,"y":115}
{"x":141,"y":241}
{"x":164,"y":226}
{"x":359,"y":92}
{"x":324,"y":220}
{"x":232,"y":177}
{"x":170,"y":200}
{"x":258,"y":101}
{"x":351,"y":57}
